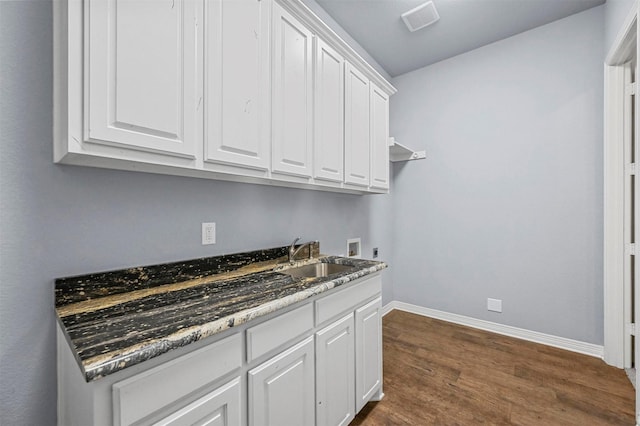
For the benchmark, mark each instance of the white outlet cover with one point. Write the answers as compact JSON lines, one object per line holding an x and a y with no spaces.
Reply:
{"x":494,"y":305}
{"x":208,"y":233}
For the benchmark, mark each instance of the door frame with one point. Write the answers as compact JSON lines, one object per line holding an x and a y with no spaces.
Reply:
{"x":614,"y":174}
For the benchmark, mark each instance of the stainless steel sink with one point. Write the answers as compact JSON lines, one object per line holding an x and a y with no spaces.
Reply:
{"x":317,"y":270}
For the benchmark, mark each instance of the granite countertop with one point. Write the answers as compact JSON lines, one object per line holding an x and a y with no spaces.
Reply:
{"x":113,"y":320}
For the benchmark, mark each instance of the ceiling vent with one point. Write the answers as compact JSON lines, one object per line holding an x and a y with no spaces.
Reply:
{"x":421,"y":16}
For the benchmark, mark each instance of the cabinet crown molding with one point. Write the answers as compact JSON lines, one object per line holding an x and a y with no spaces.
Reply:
{"x":320,"y":28}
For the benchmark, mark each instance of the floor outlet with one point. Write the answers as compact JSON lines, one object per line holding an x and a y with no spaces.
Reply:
{"x":208,"y":233}
{"x":494,"y":305}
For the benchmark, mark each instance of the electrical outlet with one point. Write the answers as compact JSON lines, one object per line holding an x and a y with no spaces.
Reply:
{"x":208,"y":233}
{"x":375,"y":252}
{"x":494,"y":305}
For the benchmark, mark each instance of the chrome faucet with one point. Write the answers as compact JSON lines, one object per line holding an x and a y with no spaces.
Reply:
{"x":293,"y":250}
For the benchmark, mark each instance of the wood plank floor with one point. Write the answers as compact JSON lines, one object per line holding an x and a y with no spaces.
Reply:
{"x":438,"y":373}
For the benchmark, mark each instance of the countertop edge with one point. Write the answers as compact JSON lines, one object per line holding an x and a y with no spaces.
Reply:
{"x":94,"y":370}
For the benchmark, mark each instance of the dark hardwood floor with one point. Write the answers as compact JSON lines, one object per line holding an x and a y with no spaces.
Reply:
{"x":438,"y":373}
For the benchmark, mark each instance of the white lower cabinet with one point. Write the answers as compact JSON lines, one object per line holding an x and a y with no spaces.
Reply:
{"x":368,"y":351}
{"x":218,"y":408}
{"x":157,"y":392}
{"x":281,"y":389}
{"x":315,"y":364}
{"x":335,"y":373}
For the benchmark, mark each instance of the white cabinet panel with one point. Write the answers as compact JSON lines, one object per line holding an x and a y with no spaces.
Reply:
{"x":329,"y":114}
{"x":357,"y":128}
{"x":218,"y":408}
{"x":379,"y":119}
{"x":281,"y":390}
{"x":143,"y":74}
{"x":237,"y":82}
{"x":347,"y":299}
{"x":335,"y":374}
{"x":284,"y":328}
{"x":292,"y":95}
{"x":368,"y":352}
{"x":143,"y":394}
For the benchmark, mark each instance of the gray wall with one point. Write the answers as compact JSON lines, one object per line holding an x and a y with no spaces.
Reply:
{"x":62,"y":220}
{"x":615,"y":12}
{"x":508,"y":203}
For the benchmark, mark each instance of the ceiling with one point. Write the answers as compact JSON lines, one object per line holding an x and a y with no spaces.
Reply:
{"x":464,"y":25}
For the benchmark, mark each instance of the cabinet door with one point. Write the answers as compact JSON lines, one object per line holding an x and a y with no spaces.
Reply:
{"x":237,"y":123}
{"x":368,"y":352}
{"x":328,"y":151}
{"x":140,"y":395}
{"x":218,"y":408}
{"x":356,"y":126}
{"x":379,"y":118}
{"x":335,"y":374}
{"x":292,"y":95}
{"x":143,"y":74}
{"x":281,"y":390}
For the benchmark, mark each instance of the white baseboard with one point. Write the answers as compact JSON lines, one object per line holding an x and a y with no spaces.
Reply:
{"x":506,"y":330}
{"x":388,"y":308}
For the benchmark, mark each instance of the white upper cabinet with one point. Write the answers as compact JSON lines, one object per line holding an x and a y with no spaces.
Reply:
{"x":292,"y":95}
{"x":357,"y":127}
{"x":237,"y":83}
{"x":257,"y":91}
{"x":143,"y":75}
{"x":328,"y":152}
{"x":379,"y":119}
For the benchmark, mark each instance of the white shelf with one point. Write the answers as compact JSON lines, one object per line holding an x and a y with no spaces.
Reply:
{"x":399,"y":152}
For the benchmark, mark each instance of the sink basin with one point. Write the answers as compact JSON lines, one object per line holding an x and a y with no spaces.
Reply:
{"x":317,"y":270}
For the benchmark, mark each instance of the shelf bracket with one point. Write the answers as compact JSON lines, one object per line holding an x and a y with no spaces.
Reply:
{"x":399,"y":152}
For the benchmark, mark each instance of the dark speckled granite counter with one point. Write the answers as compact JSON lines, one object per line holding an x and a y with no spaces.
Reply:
{"x":116,"y":319}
